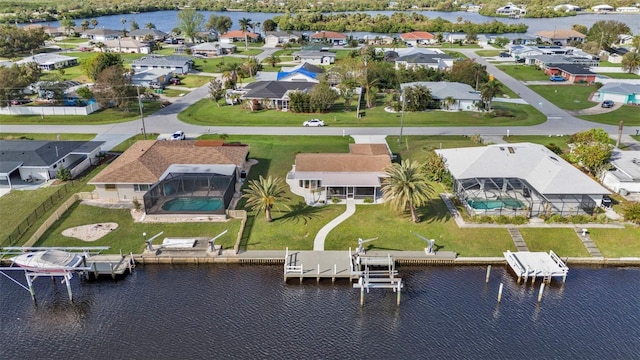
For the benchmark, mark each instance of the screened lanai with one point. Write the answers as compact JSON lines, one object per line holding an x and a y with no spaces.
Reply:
{"x":192,"y":193}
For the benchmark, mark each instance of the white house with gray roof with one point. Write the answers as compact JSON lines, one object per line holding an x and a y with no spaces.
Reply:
{"x":433,"y":61}
{"x":179,"y":64}
{"x":50,"y":61}
{"x":520,"y":179}
{"x":624,"y":177}
{"x":464,"y":96}
{"x":620,"y":92}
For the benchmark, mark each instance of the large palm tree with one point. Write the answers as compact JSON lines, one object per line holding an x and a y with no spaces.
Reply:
{"x":448,"y":102}
{"x":230,"y":74}
{"x":406,"y":187}
{"x":273,"y":60}
{"x":631,"y":62}
{"x":245,"y":24}
{"x":263,"y":194}
{"x":489,"y":90}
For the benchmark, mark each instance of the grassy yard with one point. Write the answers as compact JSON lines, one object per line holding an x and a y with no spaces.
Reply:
{"x":34,"y":136}
{"x":561,"y":141}
{"x":207,"y":113}
{"x":288,"y":52}
{"x":173,"y":92}
{"x":128,"y":236}
{"x":562,"y":241}
{"x":417,"y":147}
{"x":213,"y":65}
{"x":628,"y":113}
{"x":568,"y":97}
{"x":127,"y":143}
{"x":523,"y":72}
{"x":620,"y":75}
{"x":609,"y":64}
{"x":488,"y":53}
{"x":107,"y":116}
{"x":507,"y":92}
{"x":194,"y":81}
{"x":617,"y":242}
{"x":249,"y":52}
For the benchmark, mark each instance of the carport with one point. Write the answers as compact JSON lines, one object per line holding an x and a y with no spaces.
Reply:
{"x":6,"y":169}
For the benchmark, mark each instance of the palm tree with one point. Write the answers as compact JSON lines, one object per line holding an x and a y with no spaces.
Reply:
{"x":84,"y":24}
{"x":150,"y":25}
{"x":448,"y":102}
{"x":489,"y":90}
{"x":406,"y":187}
{"x":94,"y":23}
{"x":631,"y":62}
{"x":245,"y":24}
{"x":124,"y":30}
{"x":273,"y":60}
{"x":230,"y":74}
{"x":263,"y":195}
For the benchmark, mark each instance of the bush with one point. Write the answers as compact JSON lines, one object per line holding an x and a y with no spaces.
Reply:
{"x":335,"y":200}
{"x":368,"y":201}
{"x":63,"y":174}
{"x":631,"y":212}
{"x":137,"y":204}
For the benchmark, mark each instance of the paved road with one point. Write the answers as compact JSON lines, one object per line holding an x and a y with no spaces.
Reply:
{"x":166,"y":121}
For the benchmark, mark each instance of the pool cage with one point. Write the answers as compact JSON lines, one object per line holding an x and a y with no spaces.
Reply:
{"x":195,"y":188}
{"x":516,"y":197}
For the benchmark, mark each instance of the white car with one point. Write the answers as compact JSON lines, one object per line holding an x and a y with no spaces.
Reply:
{"x":178,"y":135}
{"x":313,"y":122}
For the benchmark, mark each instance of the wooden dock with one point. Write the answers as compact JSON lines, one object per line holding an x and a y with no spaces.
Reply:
{"x":108,"y":265}
{"x":527,"y":264}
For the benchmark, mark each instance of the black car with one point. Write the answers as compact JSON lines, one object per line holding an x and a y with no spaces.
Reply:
{"x":504,"y":54}
{"x":607,"y":104}
{"x":606,"y":201}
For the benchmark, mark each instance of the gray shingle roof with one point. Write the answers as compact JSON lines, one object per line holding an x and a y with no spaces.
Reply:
{"x":440,"y":90}
{"x":42,"y":153}
{"x":621,"y":88}
{"x":143,"y":32}
{"x":274,"y":89}
{"x":169,"y":60}
{"x":424,"y":58}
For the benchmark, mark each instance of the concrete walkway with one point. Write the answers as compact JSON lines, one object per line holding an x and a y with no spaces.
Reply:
{"x":588,"y":243}
{"x":318,"y":242}
{"x":517,"y":238}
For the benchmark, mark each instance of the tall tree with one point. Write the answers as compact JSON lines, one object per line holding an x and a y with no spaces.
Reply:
{"x":219,"y":24}
{"x":113,"y":88}
{"x":469,"y":72}
{"x":591,"y":149}
{"x":84,"y":24}
{"x":605,"y":32}
{"x":631,"y":62}
{"x":94,"y":66}
{"x":406,"y":186}
{"x":245,"y":24}
{"x":94,"y":23}
{"x":273,"y":60}
{"x":123,"y":21}
{"x":230,"y":74}
{"x":68,"y":25}
{"x":416,"y":98}
{"x":489,"y":90}
{"x":14,"y":78}
{"x":216,"y":90}
{"x":322,"y":97}
{"x":264,"y":194}
{"x":190,"y":23}
{"x":133,"y":25}
{"x":269,"y":25}
{"x":150,"y":25}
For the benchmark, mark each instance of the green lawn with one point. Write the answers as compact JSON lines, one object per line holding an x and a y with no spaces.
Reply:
{"x":194,"y":81}
{"x":249,"y":52}
{"x":107,"y":116}
{"x":417,"y":147}
{"x":507,"y":91}
{"x":127,"y":143}
{"x":128,"y":236}
{"x":523,"y":72}
{"x":609,"y":64}
{"x":288,"y":52}
{"x":568,"y":97}
{"x":562,"y":241}
{"x":617,"y":242}
{"x":174,"y":93}
{"x":560,"y":141}
{"x":628,"y":113}
{"x":488,"y":53}
{"x":214,"y":65}
{"x":72,"y":73}
{"x":207,"y":113}
{"x":455,"y":54}
{"x":34,"y":136}
{"x":620,"y":75}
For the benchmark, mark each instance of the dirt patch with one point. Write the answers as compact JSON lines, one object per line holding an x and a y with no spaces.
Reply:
{"x":90,"y":232}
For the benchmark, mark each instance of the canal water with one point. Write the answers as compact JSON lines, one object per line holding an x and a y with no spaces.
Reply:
{"x":242,"y":312}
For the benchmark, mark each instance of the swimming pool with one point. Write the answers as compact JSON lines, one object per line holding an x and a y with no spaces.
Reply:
{"x":192,"y":204}
{"x":482,"y":204}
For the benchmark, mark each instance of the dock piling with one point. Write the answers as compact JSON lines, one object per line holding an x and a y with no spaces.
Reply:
{"x":488,"y":274}
{"x":113,"y":274}
{"x":318,"y":277}
{"x":30,"y":284}
{"x":500,"y":292}
{"x":66,"y":280}
{"x":540,"y":292}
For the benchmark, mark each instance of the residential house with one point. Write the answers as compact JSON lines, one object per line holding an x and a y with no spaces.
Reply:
{"x":625,"y":39}
{"x":541,"y":61}
{"x":35,"y":160}
{"x":561,"y":36}
{"x":304,"y":72}
{"x":602,"y":8}
{"x":370,"y":39}
{"x":358,"y":174}
{"x":511,"y":10}
{"x":571,"y":72}
{"x":462,"y":96}
{"x":276,"y":93}
{"x":451,"y":38}
{"x":49,"y":30}
{"x":275,"y":38}
{"x":567,"y":8}
{"x":416,"y":38}
{"x":211,"y":49}
{"x":627,"y":9}
{"x":148,"y":34}
{"x":620,"y":92}
{"x":126,"y":45}
{"x":514,"y":39}
{"x":520,"y":179}
{"x":332,"y":37}
{"x":624,"y":177}
{"x":168,"y":173}
{"x":152,"y":77}
{"x":433,"y":61}
{"x":315,"y":57}
{"x":179,"y":64}
{"x":238,"y":35}
{"x":101,"y":34}
{"x":50,"y":61}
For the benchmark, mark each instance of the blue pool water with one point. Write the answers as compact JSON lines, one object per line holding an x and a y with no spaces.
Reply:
{"x":495,"y":204}
{"x":193,"y":204}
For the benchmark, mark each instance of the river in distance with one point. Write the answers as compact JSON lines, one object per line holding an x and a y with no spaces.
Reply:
{"x":247,"y":312}
{"x":167,"y":20}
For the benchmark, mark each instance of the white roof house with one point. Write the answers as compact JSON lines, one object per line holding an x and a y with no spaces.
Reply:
{"x":625,"y":176}
{"x":465,"y":96}
{"x":602,"y":7}
{"x":526,"y":172}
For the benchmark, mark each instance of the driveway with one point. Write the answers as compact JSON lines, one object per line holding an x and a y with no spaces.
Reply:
{"x":597,"y":109}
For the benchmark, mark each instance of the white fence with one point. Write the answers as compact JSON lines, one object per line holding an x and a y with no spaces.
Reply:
{"x":50,"y":110}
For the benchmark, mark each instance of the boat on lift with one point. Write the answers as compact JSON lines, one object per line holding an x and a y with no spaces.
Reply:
{"x":48,"y":260}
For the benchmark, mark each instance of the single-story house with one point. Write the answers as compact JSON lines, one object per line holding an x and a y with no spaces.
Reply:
{"x":624,"y":177}
{"x":101,"y":34}
{"x":377,"y":39}
{"x":561,"y":36}
{"x":433,"y":61}
{"x":304,"y":72}
{"x":275,"y":38}
{"x":620,"y":92}
{"x":520,"y":179}
{"x":277,"y":92}
{"x":179,"y":64}
{"x":49,"y":30}
{"x":416,"y":38}
{"x":514,"y":38}
{"x":148,"y":34}
{"x":315,"y":57}
{"x":331,"y":37}
{"x":171,"y":176}
{"x":510,"y":9}
{"x":50,"y":61}
{"x":571,"y":72}
{"x":625,"y":39}
{"x":602,"y":8}
{"x":567,"y":8}
{"x":320,"y":177}
{"x":627,"y":9}
{"x":481,"y":39}
{"x":213,"y":49}
{"x":34,"y":160}
{"x":541,"y":61}
{"x":238,"y":35}
{"x":126,"y":45}
{"x":464,"y":96}
{"x":148,"y":77}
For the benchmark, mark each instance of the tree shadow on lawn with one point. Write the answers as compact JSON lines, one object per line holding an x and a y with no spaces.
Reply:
{"x":434,"y":211}
{"x":248,"y":226}
{"x":300,"y":213}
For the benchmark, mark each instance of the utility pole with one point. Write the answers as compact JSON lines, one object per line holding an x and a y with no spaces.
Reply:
{"x":404,"y":102}
{"x":144,"y":130}
{"x":620,"y":127}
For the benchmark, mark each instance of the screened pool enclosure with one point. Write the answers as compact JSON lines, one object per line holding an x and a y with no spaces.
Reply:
{"x":191,"y":193}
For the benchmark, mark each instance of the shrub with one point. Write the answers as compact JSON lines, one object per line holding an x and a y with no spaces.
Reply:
{"x":137,"y":204}
{"x":368,"y":201}
{"x":335,"y":200}
{"x":631,"y":212}
{"x":63,"y":174}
